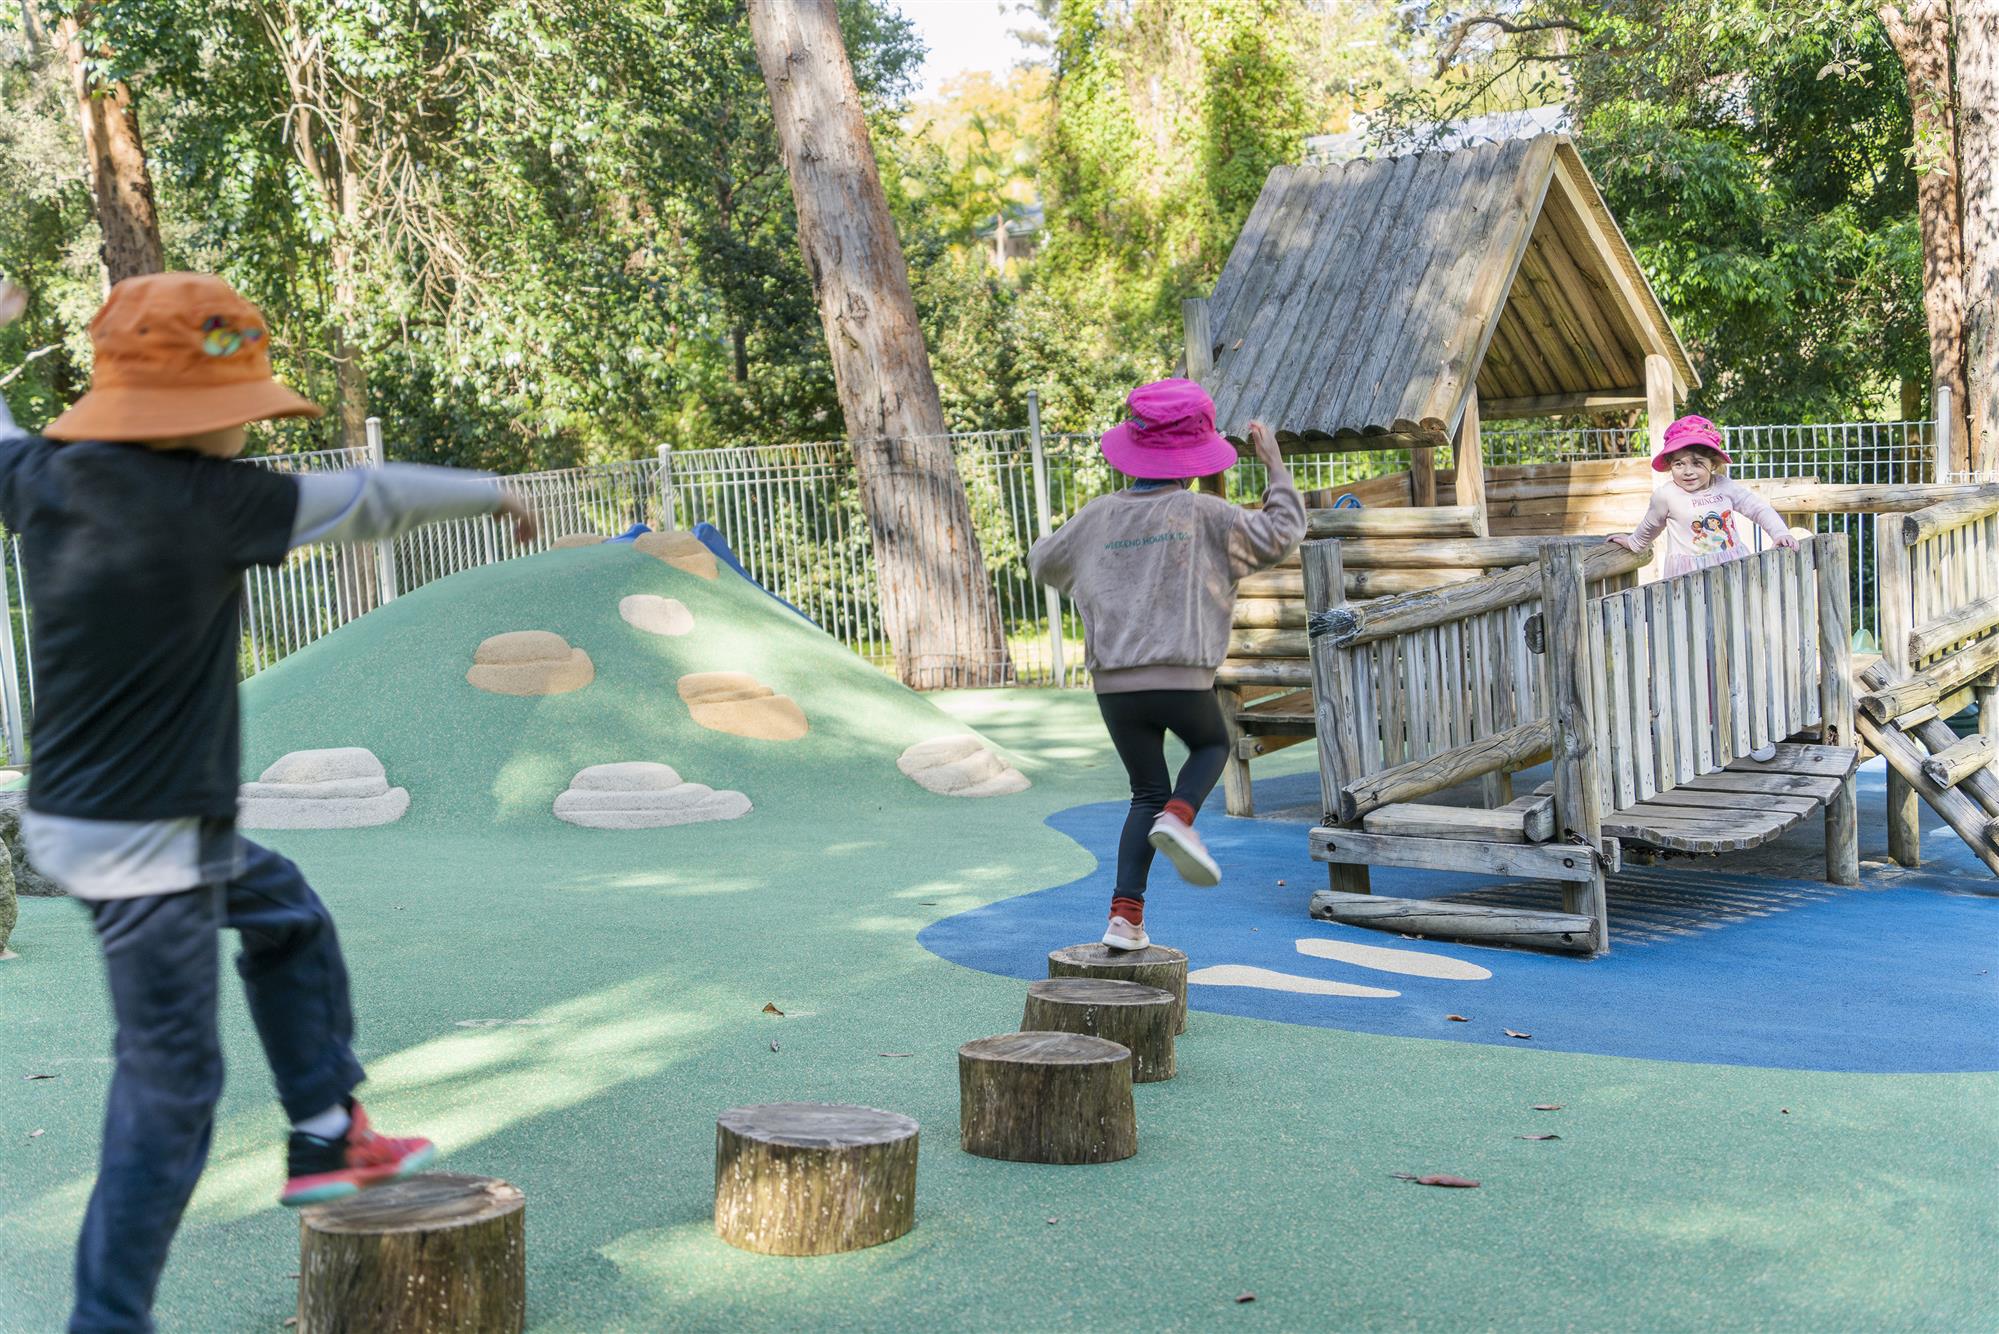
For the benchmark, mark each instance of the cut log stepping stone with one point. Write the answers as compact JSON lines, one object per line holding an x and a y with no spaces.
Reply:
{"x":813,"y":1178}
{"x":441,"y":1253}
{"x":1046,"y":1098}
{"x":1131,"y":1014}
{"x":1153,"y":966}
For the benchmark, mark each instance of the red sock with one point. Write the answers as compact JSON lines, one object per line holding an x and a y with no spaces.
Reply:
{"x":1181,"y":809}
{"x":1132,"y":910}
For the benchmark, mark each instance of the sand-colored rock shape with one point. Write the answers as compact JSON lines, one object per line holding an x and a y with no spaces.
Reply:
{"x":961,"y":766}
{"x":741,"y":705}
{"x":530,"y":662}
{"x":341,"y":787}
{"x":637,"y":794}
{"x":683,"y":551}
{"x":656,"y":615}
{"x":569,"y":540}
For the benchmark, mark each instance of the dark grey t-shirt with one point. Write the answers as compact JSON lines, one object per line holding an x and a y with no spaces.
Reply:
{"x":134,"y":563}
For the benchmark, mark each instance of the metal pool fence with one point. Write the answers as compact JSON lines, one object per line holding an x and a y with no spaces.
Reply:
{"x":792,"y":513}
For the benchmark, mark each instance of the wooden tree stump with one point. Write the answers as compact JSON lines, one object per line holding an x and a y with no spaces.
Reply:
{"x":1134,"y":1016}
{"x":813,"y":1178}
{"x":1153,"y":966}
{"x":432,"y":1254}
{"x":1046,"y":1098}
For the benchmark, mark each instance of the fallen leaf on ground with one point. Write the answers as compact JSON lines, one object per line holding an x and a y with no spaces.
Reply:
{"x":1785,"y":1110}
{"x":895,"y":1055}
{"x":1537,"y":1137}
{"x":1280,"y":882}
{"x":1053,"y":1221}
{"x":1547,"y":1106}
{"x":1457,"y":1018}
{"x":36,"y":1134}
{"x":772,"y":1009}
{"x":290,"y":1321}
{"x":27,"y":1078}
{"x":1245,"y":1297}
{"x":773,"y":1046}
{"x":1511,"y":1034}
{"x":1435,"y":1179}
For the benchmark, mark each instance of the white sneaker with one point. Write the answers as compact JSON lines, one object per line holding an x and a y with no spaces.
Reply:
{"x":1122,"y":935}
{"x":1763,"y":754}
{"x":1183,"y":847}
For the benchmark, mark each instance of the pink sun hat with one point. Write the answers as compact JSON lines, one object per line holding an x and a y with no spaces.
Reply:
{"x":1171,"y":434}
{"x":1683,"y":433}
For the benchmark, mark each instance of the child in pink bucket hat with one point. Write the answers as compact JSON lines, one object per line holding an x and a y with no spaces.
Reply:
{"x":1153,"y":570}
{"x":1696,"y":510}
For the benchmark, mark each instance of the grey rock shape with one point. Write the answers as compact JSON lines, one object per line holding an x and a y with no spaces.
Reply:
{"x":343,"y":787}
{"x":638,"y":794}
{"x":961,"y":766}
{"x":10,"y":910}
{"x":27,"y":880}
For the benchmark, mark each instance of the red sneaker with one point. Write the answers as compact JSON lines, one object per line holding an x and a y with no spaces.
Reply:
{"x":323,"y":1169}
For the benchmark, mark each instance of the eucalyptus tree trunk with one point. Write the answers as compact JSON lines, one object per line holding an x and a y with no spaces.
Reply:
{"x":1921,"y":36}
{"x":937,"y":604}
{"x":120,"y":183}
{"x":1978,"y":149}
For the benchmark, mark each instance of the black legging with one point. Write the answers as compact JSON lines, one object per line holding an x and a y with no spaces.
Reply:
{"x":1139,"y":721}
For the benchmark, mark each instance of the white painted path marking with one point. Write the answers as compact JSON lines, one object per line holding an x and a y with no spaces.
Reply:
{"x":1242,"y":975}
{"x":1410,"y":963}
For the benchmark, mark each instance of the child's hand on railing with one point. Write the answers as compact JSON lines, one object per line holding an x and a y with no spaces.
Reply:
{"x":1789,"y":541}
{"x":1624,"y":540}
{"x":515,"y":507}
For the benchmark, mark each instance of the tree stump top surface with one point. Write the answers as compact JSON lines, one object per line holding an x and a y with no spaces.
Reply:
{"x":816,"y":1125}
{"x":1097,"y":991}
{"x":1047,"y":1049}
{"x":428,"y":1203}
{"x":1096,"y":954}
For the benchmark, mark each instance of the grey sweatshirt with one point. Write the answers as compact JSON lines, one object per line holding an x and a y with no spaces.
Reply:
{"x":1154,"y":575}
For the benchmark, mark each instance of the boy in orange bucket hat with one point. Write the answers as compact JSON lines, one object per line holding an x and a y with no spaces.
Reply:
{"x":135,"y":532}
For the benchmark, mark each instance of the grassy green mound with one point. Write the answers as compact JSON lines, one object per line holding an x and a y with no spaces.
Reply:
{"x":394,"y":681}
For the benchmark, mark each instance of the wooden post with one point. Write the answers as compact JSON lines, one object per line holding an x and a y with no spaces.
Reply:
{"x":1046,"y":1098}
{"x":1238,"y":791}
{"x":1896,"y":599}
{"x":1200,"y":341}
{"x":1469,"y":455}
{"x":1133,"y":1015}
{"x":813,"y":1178}
{"x":1658,"y":399}
{"x":1335,"y":701}
{"x":1423,"y":476}
{"x":443,"y":1252}
{"x":1153,"y":966}
{"x":1569,"y":666}
{"x":1842,"y":813}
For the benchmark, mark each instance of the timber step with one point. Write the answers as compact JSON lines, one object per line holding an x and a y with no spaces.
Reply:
{"x":1457,"y":921}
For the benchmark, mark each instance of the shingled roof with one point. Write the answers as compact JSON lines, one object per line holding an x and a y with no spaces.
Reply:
{"x":1368,"y":298}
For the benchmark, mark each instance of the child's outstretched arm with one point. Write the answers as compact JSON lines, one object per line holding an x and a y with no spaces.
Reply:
{"x":1050,"y":560}
{"x":376,"y":504}
{"x":1759,"y":511}
{"x":1649,"y":527}
{"x":1262,"y":537}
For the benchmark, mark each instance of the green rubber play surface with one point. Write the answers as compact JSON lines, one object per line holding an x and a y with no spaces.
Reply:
{"x":569,"y":1009}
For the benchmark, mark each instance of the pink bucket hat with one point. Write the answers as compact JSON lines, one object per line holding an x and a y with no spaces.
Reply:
{"x":1171,"y":434}
{"x":1683,"y":433}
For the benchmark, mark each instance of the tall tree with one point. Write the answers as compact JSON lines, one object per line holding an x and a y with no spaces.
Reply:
{"x":937,"y":604}
{"x":1923,"y":40}
{"x":120,"y":181}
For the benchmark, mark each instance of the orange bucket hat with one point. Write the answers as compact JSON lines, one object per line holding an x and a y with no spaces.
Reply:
{"x":178,"y":354}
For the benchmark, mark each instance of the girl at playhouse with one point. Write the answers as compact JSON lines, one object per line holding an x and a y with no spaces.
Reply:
{"x":1696,"y":510}
{"x":1153,"y":570}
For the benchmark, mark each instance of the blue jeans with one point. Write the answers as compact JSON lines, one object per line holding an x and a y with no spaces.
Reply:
{"x":160,"y":952}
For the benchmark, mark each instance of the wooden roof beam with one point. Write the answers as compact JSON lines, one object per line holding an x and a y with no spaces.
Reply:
{"x":1554,"y":405}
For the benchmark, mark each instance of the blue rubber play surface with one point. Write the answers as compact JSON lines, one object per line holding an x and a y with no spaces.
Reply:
{"x":1706,"y":965}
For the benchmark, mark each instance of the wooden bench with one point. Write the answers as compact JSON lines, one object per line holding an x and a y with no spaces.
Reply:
{"x":1649,"y":700}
